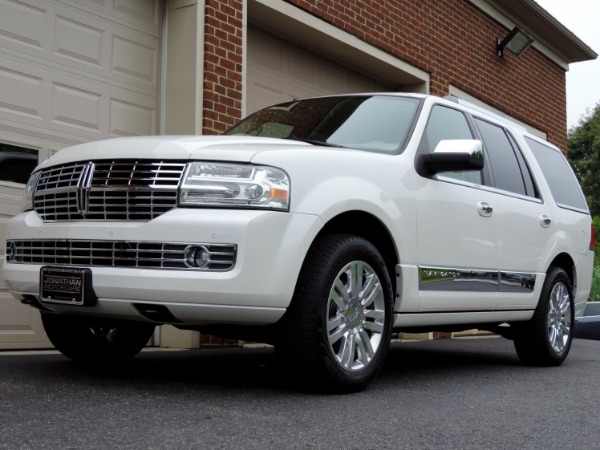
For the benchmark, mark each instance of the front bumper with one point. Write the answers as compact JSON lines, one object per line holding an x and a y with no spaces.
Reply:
{"x":257,"y":290}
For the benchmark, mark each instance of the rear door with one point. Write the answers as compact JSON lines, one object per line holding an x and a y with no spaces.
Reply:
{"x":522,"y":220}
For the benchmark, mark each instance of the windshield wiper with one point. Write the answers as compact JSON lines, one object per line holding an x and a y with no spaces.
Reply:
{"x":315,"y":142}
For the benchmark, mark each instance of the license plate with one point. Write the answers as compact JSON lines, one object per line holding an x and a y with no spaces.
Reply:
{"x":67,"y":286}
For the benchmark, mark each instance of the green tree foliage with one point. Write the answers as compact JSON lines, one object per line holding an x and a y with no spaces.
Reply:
{"x":584,"y":154}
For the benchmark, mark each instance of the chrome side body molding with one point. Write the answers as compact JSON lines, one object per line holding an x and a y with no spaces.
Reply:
{"x":474,"y":280}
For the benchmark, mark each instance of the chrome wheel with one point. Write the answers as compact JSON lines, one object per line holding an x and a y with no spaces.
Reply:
{"x":545,"y":340}
{"x":336,"y":333}
{"x":559,"y":317}
{"x":355,"y":316}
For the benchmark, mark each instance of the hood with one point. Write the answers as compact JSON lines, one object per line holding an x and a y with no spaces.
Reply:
{"x":217,"y":148}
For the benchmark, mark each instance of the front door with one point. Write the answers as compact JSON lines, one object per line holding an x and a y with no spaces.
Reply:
{"x":457,"y":253}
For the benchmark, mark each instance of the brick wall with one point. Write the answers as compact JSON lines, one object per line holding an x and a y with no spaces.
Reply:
{"x":223,"y":65}
{"x":450,"y":39}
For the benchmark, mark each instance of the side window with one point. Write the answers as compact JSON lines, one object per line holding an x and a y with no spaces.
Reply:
{"x":506,"y":170}
{"x":559,"y":175}
{"x":16,"y":163}
{"x":527,"y":177}
{"x":448,"y":123}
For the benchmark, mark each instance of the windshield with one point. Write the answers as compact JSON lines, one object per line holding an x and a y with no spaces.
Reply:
{"x":372,"y":123}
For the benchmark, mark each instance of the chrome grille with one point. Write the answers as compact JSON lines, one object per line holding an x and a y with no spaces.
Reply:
{"x":108,"y":190}
{"x":147,"y":255}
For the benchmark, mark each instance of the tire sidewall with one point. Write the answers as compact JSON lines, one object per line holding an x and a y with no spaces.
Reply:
{"x":359,"y":250}
{"x":555,"y":276}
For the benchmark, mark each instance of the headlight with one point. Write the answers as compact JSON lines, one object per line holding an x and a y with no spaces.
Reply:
{"x":29,"y":191}
{"x":235,"y":185}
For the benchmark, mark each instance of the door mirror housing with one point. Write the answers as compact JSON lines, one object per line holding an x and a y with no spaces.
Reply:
{"x":452,"y":156}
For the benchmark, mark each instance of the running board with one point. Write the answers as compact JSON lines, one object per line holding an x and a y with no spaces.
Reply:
{"x":407,"y":320}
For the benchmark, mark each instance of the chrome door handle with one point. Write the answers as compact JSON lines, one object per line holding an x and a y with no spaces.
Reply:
{"x":484,"y":209}
{"x":545,"y":221}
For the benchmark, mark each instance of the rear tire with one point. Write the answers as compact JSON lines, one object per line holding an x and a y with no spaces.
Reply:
{"x":546,"y":339}
{"x":336,"y":333}
{"x":93,"y":340}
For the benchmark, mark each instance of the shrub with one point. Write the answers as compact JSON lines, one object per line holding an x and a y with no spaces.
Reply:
{"x":595,"y":293}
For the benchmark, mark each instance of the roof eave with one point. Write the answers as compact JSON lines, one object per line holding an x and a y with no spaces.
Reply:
{"x":545,"y":28}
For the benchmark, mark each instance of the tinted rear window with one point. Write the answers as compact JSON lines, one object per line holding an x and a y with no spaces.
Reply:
{"x":559,"y":175}
{"x":505,"y":166}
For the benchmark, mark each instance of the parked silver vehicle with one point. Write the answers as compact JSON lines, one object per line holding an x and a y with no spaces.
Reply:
{"x":587,"y":322}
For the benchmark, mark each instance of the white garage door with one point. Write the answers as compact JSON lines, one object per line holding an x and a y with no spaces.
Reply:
{"x":70,"y":71}
{"x":279,"y":71}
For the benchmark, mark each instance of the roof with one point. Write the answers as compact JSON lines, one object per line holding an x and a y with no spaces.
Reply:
{"x":543,"y":26}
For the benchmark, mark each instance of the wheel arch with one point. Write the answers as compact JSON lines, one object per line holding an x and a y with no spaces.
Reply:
{"x":364,"y":224}
{"x":565,"y":262}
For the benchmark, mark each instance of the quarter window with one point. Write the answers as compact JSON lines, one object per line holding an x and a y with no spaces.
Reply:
{"x":527,"y":177}
{"x":559,"y":175}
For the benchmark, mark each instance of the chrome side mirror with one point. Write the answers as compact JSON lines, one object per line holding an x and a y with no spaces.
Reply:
{"x":453,"y":155}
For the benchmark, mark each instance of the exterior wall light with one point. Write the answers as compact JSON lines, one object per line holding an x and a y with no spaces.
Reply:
{"x":516,"y":42}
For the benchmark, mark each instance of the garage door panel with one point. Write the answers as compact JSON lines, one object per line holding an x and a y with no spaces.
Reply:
{"x":338,"y":79}
{"x":70,"y":72}
{"x":143,"y":15}
{"x":138,"y":10}
{"x":78,"y":42}
{"x":332,"y":77}
{"x":11,"y":195}
{"x":279,"y":71}
{"x":22,"y":94}
{"x":130,"y":119}
{"x":302,"y":66}
{"x":135,"y":60}
{"x":265,"y":94}
{"x":20,"y":317}
{"x":20,"y":325}
{"x":44,"y":99}
{"x":34,"y":96}
{"x":22,"y":24}
{"x":265,"y":90}
{"x":76,"y":107}
{"x":68,"y":40}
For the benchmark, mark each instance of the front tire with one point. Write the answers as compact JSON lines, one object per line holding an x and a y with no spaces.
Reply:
{"x":93,"y":340}
{"x":546,"y":339}
{"x":337,"y":330}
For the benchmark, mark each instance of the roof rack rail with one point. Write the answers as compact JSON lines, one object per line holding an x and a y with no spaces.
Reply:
{"x":485,"y":111}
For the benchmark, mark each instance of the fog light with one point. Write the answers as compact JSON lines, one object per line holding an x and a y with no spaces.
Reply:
{"x":197,"y":256}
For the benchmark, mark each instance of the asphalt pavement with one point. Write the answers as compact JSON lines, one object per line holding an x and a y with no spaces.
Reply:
{"x":442,"y":394}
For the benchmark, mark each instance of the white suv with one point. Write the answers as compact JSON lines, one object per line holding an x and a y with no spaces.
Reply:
{"x":319,"y":225}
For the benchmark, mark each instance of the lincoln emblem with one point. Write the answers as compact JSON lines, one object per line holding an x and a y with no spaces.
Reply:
{"x":83,"y":188}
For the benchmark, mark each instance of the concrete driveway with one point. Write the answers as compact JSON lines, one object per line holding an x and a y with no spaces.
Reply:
{"x":451,"y":394}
